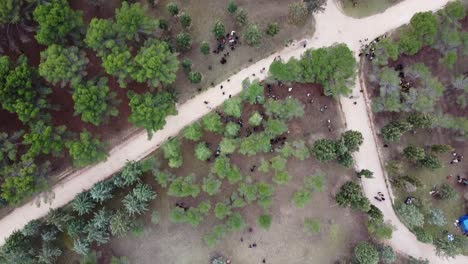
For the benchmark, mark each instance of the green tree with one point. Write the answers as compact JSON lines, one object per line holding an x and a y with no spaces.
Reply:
{"x":45,"y":139}
{"x":137,"y":201}
{"x":150,"y":110}
{"x":205,"y":48}
{"x":298,"y":13}
{"x":95,"y":101}
{"x":441,"y":148}
{"x":235,"y":221}
{"x":120,"y":223}
{"x":286,"y":109}
{"x":173,"y":8}
{"x":380,"y":229}
{"x":324,"y":150}
{"x":10,"y":11}
{"x":212,"y":123}
{"x":118,"y":62}
{"x":193,"y":132}
{"x":218,"y":29}
{"x":101,"y":34}
{"x":87,"y":150}
{"x":352,"y":140}
{"x":410,"y":215}
{"x":272,"y":29}
{"x":242,"y":17}
{"x":173,"y":152}
{"x":387,"y":255}
{"x":83,"y":203}
{"x":185,"y":20}
{"x":183,"y":187}
{"x":255,"y":119}
{"x":425,"y":25}
{"x":102,"y":191}
{"x":408,"y":43}
{"x":202,"y":152}
{"x":62,"y":65}
{"x":437,"y":217}
{"x":414,"y":153}
{"x":228,"y":145}
{"x":366,"y":173}
{"x":155,"y":64}
{"x":232,"y":129}
{"x":233,"y":107}
{"x":183,"y":41}
{"x":350,"y":195}
{"x":449,"y":59}
{"x":195,"y":77}
{"x":302,"y":197}
{"x":56,"y":21}
{"x":233,"y":174}
{"x":455,"y":10}
{"x":253,"y":92}
{"x":431,"y":162}
{"x":255,"y":143}
{"x":366,"y":253}
{"x":130,"y":174}
{"x":222,"y":211}
{"x":211,"y":185}
{"x":265,"y":221}
{"x":232,"y":6}
{"x":131,"y":21}
{"x":448,"y":192}
{"x":17,"y":93}
{"x":253,"y":35}
{"x":385,"y":50}
{"x":394,"y":130}
{"x":420,"y":120}
{"x":282,"y":177}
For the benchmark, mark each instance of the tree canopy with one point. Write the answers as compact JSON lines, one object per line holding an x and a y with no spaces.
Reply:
{"x":87,"y":150}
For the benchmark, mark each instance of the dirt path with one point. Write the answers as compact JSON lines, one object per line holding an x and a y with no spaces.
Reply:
{"x":331,"y":27}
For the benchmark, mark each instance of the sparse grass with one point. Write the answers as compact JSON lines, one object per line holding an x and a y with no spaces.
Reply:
{"x":365,"y":8}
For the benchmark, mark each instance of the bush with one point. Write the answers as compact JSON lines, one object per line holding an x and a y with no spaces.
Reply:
{"x":205,"y":48}
{"x":272,"y":29}
{"x":202,"y":152}
{"x":193,"y":132}
{"x":298,"y":13}
{"x":253,"y":35}
{"x":410,"y":215}
{"x":366,"y":253}
{"x":185,"y":20}
{"x":448,"y":192}
{"x":187,"y":64}
{"x":366,"y":173}
{"x":173,"y":8}
{"x":311,"y":226}
{"x":302,"y":197}
{"x":423,"y":235}
{"x":222,"y":211}
{"x":388,"y":255}
{"x":232,"y":7}
{"x":183,"y":187}
{"x":219,"y":30}
{"x":265,"y":221}
{"x":183,"y":41}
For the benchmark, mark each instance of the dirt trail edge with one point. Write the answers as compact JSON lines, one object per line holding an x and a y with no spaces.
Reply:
{"x":331,"y":27}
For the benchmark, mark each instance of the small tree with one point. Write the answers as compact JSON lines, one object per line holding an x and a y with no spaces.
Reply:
{"x":324,"y":150}
{"x":183,"y":41}
{"x":233,"y":107}
{"x":228,"y":145}
{"x":212,"y":122}
{"x":173,"y":8}
{"x":253,"y":35}
{"x":222,"y":211}
{"x":302,"y":197}
{"x":173,"y":152}
{"x":366,"y":253}
{"x":232,"y":129}
{"x":120,"y":223}
{"x":298,"y":13}
{"x":211,"y":185}
{"x":350,"y":195}
{"x":352,"y":140}
{"x":265,"y":221}
{"x":410,"y":215}
{"x":448,"y":192}
{"x":45,"y":139}
{"x":255,"y":119}
{"x":183,"y":187}
{"x":388,"y":255}
{"x":195,"y":77}
{"x":83,"y":203}
{"x":219,"y":30}
{"x":187,"y":64}
{"x":414,"y":153}
{"x":131,"y":21}
{"x":232,"y":7}
{"x":102,"y":191}
{"x":242,"y":17}
{"x":366,"y":173}
{"x":202,"y":152}
{"x":87,"y":150}
{"x":185,"y":20}
{"x":205,"y":48}
{"x":431,"y":162}
{"x":272,"y":29}
{"x":193,"y":132}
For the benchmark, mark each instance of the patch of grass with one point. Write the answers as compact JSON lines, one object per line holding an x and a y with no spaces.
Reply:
{"x":365,"y":8}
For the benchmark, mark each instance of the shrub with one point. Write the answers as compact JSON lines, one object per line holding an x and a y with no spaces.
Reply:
{"x":232,"y":7}
{"x":448,"y":192}
{"x":193,"y":132}
{"x":187,"y":64}
{"x":265,"y":221}
{"x":185,"y":20}
{"x":173,"y":8}
{"x":423,"y":235}
{"x":211,"y":185}
{"x":242,"y":17}
{"x":302,"y":197}
{"x":272,"y":29}
{"x":388,"y":255}
{"x":366,"y":173}
{"x":366,"y":253}
{"x":120,"y":223}
{"x":205,"y":48}
{"x":222,"y":211}
{"x":183,"y":41}
{"x":380,"y":230}
{"x":410,"y":215}
{"x":183,"y":187}
{"x":202,"y":152}
{"x":298,"y":13}
{"x":219,"y":30}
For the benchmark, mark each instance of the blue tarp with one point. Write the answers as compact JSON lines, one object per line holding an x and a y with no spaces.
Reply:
{"x":463,"y":222}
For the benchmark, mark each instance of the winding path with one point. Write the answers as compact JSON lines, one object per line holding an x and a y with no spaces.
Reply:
{"x":331,"y":27}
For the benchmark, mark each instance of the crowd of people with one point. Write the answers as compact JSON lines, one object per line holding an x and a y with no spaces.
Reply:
{"x":231,"y":40}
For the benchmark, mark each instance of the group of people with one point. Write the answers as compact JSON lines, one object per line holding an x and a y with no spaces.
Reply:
{"x":369,"y":49}
{"x":231,"y":40}
{"x":456,"y":158}
{"x":380,"y":197}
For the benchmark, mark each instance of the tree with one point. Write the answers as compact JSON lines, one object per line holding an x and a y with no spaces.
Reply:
{"x":302,"y":197}
{"x":346,"y":160}
{"x":219,"y":30}
{"x":155,"y":64}
{"x":410,"y":215}
{"x":56,"y":20}
{"x":163,"y":178}
{"x":232,"y":129}
{"x":211,"y":185}
{"x":95,"y":102}
{"x":183,"y":41}
{"x":420,"y":120}
{"x":441,"y":148}
{"x":394,"y":130}
{"x":409,"y":43}
{"x":449,"y":59}
{"x":173,"y":152}
{"x":324,"y":150}
{"x":136,"y":202}
{"x":10,"y":11}
{"x":118,"y":62}
{"x":130,"y":174}
{"x":150,"y":110}
{"x":437,"y":217}
{"x":86,"y":150}
{"x":350,"y":195}
{"x":235,"y":221}
{"x":183,"y":187}
{"x":62,"y":65}
{"x":202,"y":152}
{"x":278,"y":163}
{"x":449,"y":248}
{"x":205,"y":48}
{"x":212,"y":123}
{"x":45,"y":139}
{"x":222,"y":211}
{"x":366,"y":173}
{"x":366,"y":253}
{"x":233,"y":174}
{"x":298,"y":13}
{"x":265,"y":192}
{"x":49,"y":253}
{"x":187,"y":64}
{"x":131,"y":21}
{"x":455,"y":10}
{"x":380,"y":229}
{"x":83,"y":203}
{"x":193,"y":132}
{"x":272,"y":29}
{"x":281,"y":177}
{"x":414,"y":153}
{"x":385,"y":50}
{"x":253,"y":35}
{"x":425,"y":25}
{"x":265,"y":221}
{"x":102,"y":191}
{"x":286,"y":109}
{"x":100,"y":34}
{"x":228,"y":145}
{"x":387,"y":255}
{"x":173,"y":8}
{"x":17,"y":93}
{"x":255,"y":119}
{"x":253,"y":93}
{"x":431,"y":162}
{"x":255,"y":143}
{"x":185,"y":20}
{"x":232,"y":7}
{"x":195,"y":77}
{"x":242,"y":17}
{"x":233,"y":107}
{"x":448,"y":192}
{"x":32,"y":228}
{"x":352,"y":140}
{"x":120,"y":223}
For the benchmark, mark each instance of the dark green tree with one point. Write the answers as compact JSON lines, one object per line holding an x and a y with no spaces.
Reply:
{"x":366,"y":253}
{"x":183,"y":41}
{"x":45,"y":139}
{"x":131,"y":20}
{"x":205,"y":48}
{"x":87,"y":150}
{"x":173,"y":8}
{"x":324,"y":150}
{"x":185,"y":20}
{"x":195,"y":77}
{"x":232,"y":6}
{"x":272,"y":29}
{"x":414,"y":153}
{"x":350,"y":195}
